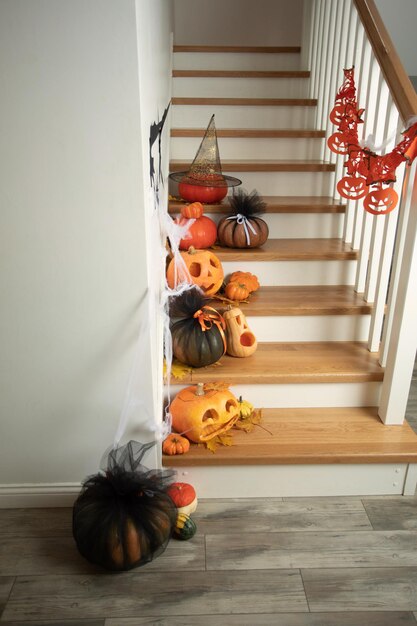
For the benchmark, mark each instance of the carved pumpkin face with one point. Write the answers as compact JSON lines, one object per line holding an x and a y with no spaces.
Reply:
{"x":339,"y":112}
{"x":381,"y":201}
{"x":337,"y":143}
{"x":202,"y":417}
{"x":240,"y":339}
{"x":204,"y":267}
{"x":352,"y":187}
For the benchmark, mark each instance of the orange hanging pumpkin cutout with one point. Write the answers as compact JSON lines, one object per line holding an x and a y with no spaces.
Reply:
{"x":201,"y":415}
{"x":204,"y":267}
{"x":381,"y":201}
{"x":352,"y":187}
{"x":337,"y":143}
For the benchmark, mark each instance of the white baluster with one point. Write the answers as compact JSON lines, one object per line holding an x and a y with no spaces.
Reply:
{"x":403,"y":339}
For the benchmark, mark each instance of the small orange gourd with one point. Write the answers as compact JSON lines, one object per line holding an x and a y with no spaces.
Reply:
{"x":193,"y":210}
{"x":250,"y":281}
{"x":236,"y":291}
{"x":175,"y":444}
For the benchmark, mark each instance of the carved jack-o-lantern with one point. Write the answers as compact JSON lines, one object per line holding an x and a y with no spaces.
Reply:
{"x":240,"y":339}
{"x":380,"y":201}
{"x":204,"y":267}
{"x":352,"y":187}
{"x":201,"y":415}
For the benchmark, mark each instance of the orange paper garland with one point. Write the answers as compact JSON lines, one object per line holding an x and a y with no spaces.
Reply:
{"x":368,"y":175}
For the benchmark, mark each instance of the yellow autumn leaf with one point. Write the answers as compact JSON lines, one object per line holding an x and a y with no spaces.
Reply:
{"x":225,"y":439}
{"x":178,"y":370}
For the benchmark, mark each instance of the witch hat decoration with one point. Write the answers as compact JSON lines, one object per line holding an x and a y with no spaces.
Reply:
{"x":205,"y":181}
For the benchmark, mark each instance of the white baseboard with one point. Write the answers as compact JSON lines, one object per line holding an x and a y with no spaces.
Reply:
{"x":247,"y":481}
{"x":47,"y":495}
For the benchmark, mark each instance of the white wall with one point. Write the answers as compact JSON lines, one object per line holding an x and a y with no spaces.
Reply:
{"x":73,"y":269}
{"x":266,"y":22}
{"x":400,"y":19}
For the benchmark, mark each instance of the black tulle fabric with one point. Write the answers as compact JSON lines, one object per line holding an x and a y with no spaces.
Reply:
{"x":123,"y":517}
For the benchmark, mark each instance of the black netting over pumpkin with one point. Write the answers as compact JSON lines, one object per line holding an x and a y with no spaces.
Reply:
{"x":123,"y":517}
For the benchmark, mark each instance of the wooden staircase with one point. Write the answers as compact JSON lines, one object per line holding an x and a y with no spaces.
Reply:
{"x":313,"y":374}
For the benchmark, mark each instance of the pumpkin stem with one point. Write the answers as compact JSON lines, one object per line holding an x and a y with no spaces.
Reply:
{"x":200,"y":389}
{"x":192,"y":250}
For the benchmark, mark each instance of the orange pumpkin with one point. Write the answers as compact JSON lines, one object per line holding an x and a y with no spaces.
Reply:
{"x":203,"y":415}
{"x":175,"y":444}
{"x":202,"y":233}
{"x":204,"y":267}
{"x":246,"y":278}
{"x":184,"y":497}
{"x":337,"y":143}
{"x":236,"y":291}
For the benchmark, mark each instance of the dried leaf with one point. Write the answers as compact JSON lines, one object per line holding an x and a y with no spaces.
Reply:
{"x":228,"y":300}
{"x":245,"y":425}
{"x":178,"y":370}
{"x":225,"y":439}
{"x":216,"y":386}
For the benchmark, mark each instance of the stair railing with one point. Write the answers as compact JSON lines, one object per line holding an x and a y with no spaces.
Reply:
{"x":340,"y":34}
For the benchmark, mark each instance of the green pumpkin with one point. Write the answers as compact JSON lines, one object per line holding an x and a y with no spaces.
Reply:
{"x":190,"y":343}
{"x":185,"y":527}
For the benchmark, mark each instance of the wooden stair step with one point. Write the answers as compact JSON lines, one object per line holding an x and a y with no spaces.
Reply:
{"x":253,"y":133}
{"x":240,"y":73}
{"x":252,"y":102}
{"x":300,"y":362}
{"x":304,"y":300}
{"x":268,"y":165}
{"x":255,"y":49}
{"x":291,"y":250}
{"x":277,"y":204}
{"x":311,"y":436}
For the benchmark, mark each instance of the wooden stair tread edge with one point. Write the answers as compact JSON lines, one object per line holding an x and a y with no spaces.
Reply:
{"x":196,"y":73}
{"x":311,"y":436}
{"x":303,"y":300}
{"x":293,"y":363}
{"x":277,"y":204}
{"x":255,"y":49}
{"x":262,"y":165}
{"x":291,"y":250}
{"x":253,"y":133}
{"x":304,"y":102}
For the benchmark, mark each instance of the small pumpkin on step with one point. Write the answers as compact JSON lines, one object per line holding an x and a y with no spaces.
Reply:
{"x":240,"y":340}
{"x":244,"y":228}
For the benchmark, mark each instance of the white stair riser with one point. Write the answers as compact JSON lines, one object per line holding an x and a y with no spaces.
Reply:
{"x":236,"y":61}
{"x":206,"y":87}
{"x":272,"y":273}
{"x":297,"y":226}
{"x":311,"y":328}
{"x":198,"y":116}
{"x":280,"y":481}
{"x":286,"y":183}
{"x":251,"y":148}
{"x":304,"y":395}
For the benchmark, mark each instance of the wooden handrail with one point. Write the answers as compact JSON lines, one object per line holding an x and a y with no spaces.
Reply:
{"x":399,"y":84}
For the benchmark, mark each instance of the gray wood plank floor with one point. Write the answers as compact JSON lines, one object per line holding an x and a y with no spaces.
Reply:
{"x":263,"y":562}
